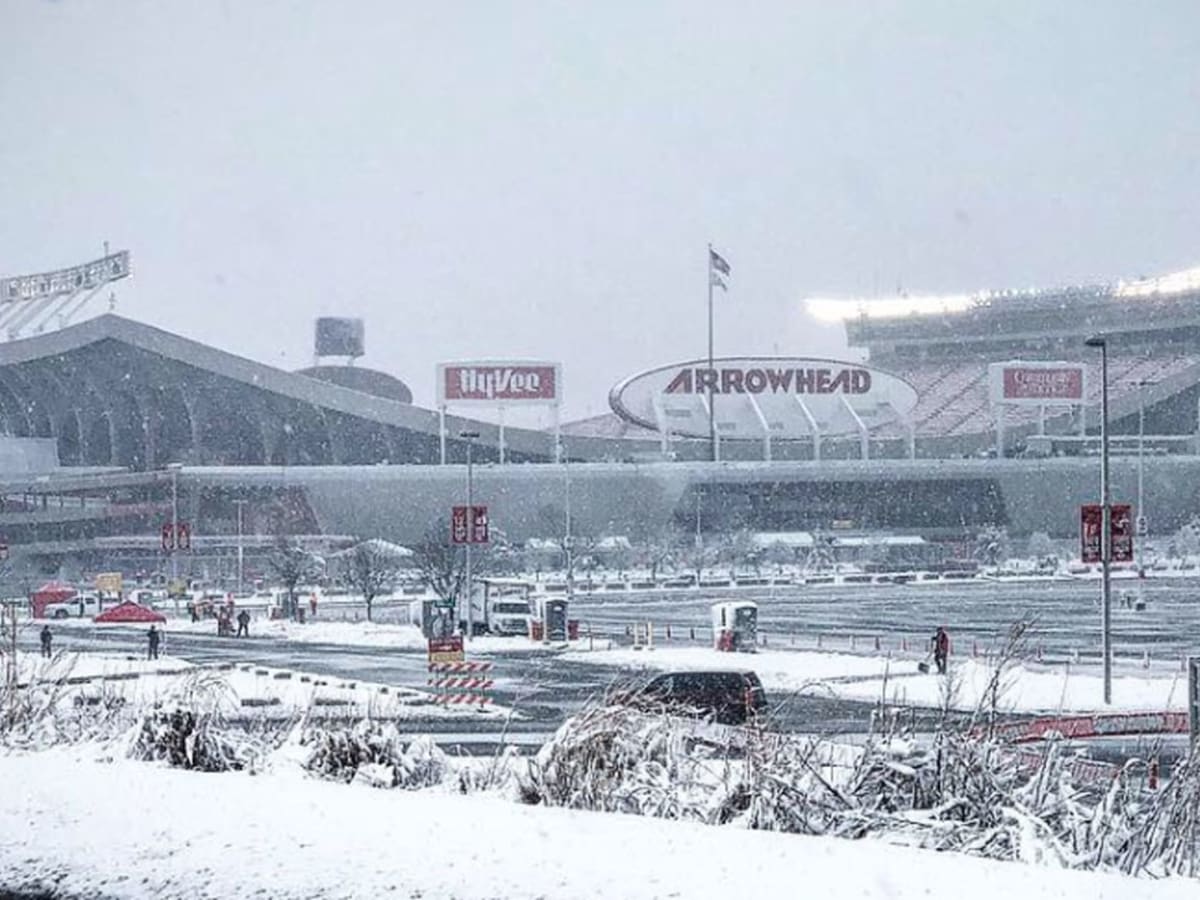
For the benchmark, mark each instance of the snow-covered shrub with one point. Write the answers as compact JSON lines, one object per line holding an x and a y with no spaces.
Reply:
{"x":373,"y":753}
{"x":616,"y":759}
{"x":45,"y":712}
{"x":189,"y":729}
{"x":188,"y":740}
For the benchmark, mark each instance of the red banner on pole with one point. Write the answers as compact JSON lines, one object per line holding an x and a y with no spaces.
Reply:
{"x":1120,"y":534}
{"x":183,"y":536}
{"x":479,"y":524}
{"x":458,"y":525}
{"x":168,"y":537}
{"x":1091,"y":523}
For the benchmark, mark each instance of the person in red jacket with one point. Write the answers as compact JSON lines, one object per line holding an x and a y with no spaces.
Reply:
{"x":941,"y":649}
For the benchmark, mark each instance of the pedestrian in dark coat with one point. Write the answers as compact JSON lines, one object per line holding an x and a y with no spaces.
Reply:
{"x":47,"y":639}
{"x":243,"y":624}
{"x":941,"y":649}
{"x":152,"y":637}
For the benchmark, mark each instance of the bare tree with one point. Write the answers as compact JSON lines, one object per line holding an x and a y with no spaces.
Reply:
{"x":659,"y":549}
{"x":739,"y":547}
{"x":441,"y":564}
{"x":577,"y":548}
{"x":373,"y":566}
{"x":292,"y":564}
{"x":443,"y":567}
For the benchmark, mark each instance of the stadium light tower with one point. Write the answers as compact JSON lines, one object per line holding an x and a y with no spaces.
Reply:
{"x":1106,"y":519}
{"x":470,"y":436}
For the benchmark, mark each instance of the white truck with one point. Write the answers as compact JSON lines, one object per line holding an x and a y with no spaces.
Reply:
{"x":499,"y":606}
{"x":77,"y":607}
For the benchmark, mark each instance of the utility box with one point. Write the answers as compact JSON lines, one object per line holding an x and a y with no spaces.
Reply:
{"x":427,"y":615}
{"x":735,"y":626}
{"x":554,"y":619}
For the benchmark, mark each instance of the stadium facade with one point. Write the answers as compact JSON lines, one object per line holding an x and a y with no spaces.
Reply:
{"x":133,"y":412}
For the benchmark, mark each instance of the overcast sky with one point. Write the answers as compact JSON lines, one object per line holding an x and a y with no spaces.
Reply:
{"x":541,"y":179}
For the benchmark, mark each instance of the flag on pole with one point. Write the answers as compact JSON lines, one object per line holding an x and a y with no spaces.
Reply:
{"x":718,"y":281}
{"x":717,"y":262}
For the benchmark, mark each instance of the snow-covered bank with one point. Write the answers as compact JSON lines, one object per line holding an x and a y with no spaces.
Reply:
{"x":1026,"y":688}
{"x":132,"y":830}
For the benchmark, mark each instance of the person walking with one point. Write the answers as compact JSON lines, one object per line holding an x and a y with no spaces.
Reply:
{"x":47,"y":639}
{"x":312,"y":603}
{"x":243,"y":624}
{"x":153,"y":637}
{"x":941,"y":649}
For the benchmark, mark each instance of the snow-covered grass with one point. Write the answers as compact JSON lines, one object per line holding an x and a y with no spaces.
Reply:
{"x":133,"y":830}
{"x":252,"y":688}
{"x":1026,"y":687}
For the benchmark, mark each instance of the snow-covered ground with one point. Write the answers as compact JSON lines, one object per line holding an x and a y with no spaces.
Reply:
{"x":132,"y":830}
{"x":247,"y":687}
{"x":1026,"y":688}
{"x":779,"y":670}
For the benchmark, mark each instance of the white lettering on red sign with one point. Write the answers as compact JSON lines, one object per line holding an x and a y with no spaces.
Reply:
{"x":500,"y":383}
{"x":702,"y":380}
{"x":1043,"y":383}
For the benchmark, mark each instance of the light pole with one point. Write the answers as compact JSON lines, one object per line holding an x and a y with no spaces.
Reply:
{"x":470,"y":436}
{"x":174,"y":468}
{"x":1141,"y":530}
{"x":1105,"y":521}
{"x":567,"y":541}
{"x":241,"y":559}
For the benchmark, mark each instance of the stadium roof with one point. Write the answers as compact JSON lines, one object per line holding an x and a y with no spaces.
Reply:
{"x":114,"y":391}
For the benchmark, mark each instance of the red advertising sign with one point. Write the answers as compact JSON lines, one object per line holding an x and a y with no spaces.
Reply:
{"x":446,"y":650}
{"x":1091,"y":523}
{"x":1120,"y":533}
{"x":479,"y":525}
{"x":1038,"y":383}
{"x":458,"y":525}
{"x":498,"y":383}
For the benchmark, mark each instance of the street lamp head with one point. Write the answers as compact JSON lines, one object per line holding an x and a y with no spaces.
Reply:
{"x":1095,"y":341}
{"x":468,"y":435}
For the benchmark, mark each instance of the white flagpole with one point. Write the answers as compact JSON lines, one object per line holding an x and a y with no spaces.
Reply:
{"x":712,"y":427}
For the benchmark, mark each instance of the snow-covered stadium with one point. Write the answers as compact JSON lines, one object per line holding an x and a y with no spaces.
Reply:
{"x":95,"y":412}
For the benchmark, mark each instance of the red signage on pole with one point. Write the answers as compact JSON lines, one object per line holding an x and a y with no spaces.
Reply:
{"x":458,"y":525}
{"x":1091,"y":523}
{"x":183,"y":536}
{"x":479,"y":524}
{"x":469,"y":525}
{"x":1120,"y":534}
{"x":168,"y":537}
